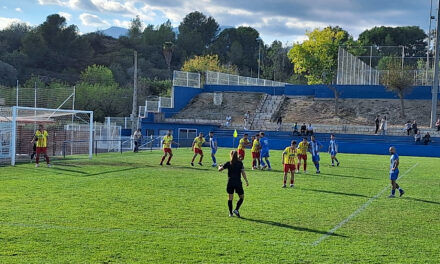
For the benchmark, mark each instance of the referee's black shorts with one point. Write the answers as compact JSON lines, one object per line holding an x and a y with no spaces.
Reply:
{"x":237,"y":187}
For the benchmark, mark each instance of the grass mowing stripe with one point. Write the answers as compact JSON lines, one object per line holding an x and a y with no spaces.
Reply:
{"x":358,"y":211}
{"x":144,"y":232}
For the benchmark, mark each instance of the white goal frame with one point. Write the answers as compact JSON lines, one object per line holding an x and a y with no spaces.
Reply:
{"x":14,"y":120}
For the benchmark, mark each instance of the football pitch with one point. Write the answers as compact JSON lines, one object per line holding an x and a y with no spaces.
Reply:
{"x":125,"y":208}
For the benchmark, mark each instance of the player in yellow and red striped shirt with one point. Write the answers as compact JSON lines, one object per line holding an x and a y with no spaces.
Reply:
{"x":40,"y":137}
{"x":242,"y":144}
{"x":289,"y":161}
{"x":303,"y":147}
{"x":167,"y":141}
{"x":197,"y":148}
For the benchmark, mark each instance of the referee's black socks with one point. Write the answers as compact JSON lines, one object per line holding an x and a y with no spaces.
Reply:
{"x":230,"y":206}
{"x":239,"y":204}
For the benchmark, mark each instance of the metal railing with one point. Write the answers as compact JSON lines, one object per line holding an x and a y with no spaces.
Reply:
{"x":187,"y":79}
{"x":230,"y":79}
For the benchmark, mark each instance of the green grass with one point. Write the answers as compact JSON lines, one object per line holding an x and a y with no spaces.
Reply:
{"x":127,"y":209}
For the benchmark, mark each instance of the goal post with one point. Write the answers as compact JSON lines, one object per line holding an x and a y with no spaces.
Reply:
{"x":70,"y":131}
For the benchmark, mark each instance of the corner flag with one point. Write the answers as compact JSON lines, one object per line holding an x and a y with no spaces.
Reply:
{"x":235,"y":133}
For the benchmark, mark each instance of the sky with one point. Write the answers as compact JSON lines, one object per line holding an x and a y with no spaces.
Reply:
{"x":284,"y":20}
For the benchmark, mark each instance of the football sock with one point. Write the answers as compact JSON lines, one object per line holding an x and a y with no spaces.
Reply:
{"x":47,"y":160}
{"x":230,"y":206}
{"x":37,"y":159}
{"x":298,"y":166}
{"x":393,"y":191}
{"x":268,"y":163}
{"x":317,"y":166}
{"x":262,"y":163}
{"x":169,"y":159}
{"x":305,"y":166}
{"x":284,"y":181}
{"x":163,"y":158}
{"x":337,"y":161}
{"x":254,"y":163}
{"x":238,"y":204}
{"x":291,"y":181}
{"x":213,"y":159}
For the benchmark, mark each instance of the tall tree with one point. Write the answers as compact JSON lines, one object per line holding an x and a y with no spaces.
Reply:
{"x":398,"y":80}
{"x":317,"y":56}
{"x":196,"y":33}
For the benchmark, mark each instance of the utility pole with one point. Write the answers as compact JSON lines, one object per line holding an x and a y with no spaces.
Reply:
{"x":134,"y":109}
{"x":259,"y":57}
{"x":431,"y":17}
{"x":436,"y":68}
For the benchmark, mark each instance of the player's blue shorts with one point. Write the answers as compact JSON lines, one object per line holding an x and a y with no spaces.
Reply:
{"x":394,"y":175}
{"x":333,"y":153}
{"x":264,"y":154}
{"x":213,"y":151}
{"x":315,"y":158}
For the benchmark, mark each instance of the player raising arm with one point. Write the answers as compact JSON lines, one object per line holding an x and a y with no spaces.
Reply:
{"x":235,"y":172}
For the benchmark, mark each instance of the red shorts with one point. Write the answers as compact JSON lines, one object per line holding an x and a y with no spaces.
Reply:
{"x":255,"y":155}
{"x":302,"y":157}
{"x":289,"y":167}
{"x":41,"y":150}
{"x":241,"y":153}
{"x":167,"y":150}
{"x":198,"y":151}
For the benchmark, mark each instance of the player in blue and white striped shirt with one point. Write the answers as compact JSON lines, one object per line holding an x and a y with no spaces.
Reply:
{"x":333,"y":150}
{"x":315,"y":146}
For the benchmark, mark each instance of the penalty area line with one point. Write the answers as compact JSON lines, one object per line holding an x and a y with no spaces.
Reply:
{"x":358,"y":211}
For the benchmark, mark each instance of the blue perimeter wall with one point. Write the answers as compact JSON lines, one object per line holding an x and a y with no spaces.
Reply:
{"x":183,"y":95}
{"x":358,"y":144}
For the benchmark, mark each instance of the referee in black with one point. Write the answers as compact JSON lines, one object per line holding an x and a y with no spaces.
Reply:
{"x":235,"y":171}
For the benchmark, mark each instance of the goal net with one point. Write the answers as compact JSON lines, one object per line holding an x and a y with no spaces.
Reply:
{"x":70,"y":132}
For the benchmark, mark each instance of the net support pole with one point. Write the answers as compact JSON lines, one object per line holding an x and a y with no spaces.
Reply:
{"x":13,"y":135}
{"x":435,"y":82}
{"x":91,"y":136}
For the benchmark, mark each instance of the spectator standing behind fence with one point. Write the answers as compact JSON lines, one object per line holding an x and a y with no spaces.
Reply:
{"x":408,"y":127}
{"x":437,"y":124}
{"x":417,"y":137}
{"x":384,"y":125}
{"x":137,"y":137}
{"x":303,"y":129}
{"x":426,"y":138}
{"x":414,"y":127}
{"x":279,"y":123}
{"x":377,"y":122}
{"x":310,"y":130}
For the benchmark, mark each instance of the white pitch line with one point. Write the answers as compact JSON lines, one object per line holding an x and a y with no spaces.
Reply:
{"x":358,"y":211}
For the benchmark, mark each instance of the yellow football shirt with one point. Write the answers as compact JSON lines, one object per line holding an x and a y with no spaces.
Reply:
{"x":303,"y":147}
{"x":42,"y":138}
{"x":255,"y":146}
{"x":198,"y":142}
{"x":290,"y":156}
{"x":242,"y":142}
{"x":167,"y":141}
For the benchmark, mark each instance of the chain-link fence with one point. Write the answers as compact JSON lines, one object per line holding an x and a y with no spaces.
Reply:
{"x":366,"y":65}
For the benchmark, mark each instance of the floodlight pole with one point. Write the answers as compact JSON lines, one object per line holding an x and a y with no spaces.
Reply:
{"x":436,"y":69}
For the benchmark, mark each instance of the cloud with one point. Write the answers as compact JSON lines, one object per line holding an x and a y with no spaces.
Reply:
{"x":286,"y":18}
{"x":92,"y":20}
{"x":5,"y":22}
{"x":121,"y":23}
{"x":67,"y":16}
{"x":18,"y":9}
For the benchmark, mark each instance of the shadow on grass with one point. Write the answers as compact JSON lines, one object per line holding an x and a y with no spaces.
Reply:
{"x":297,"y":228}
{"x":421,"y":200}
{"x":337,"y":193}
